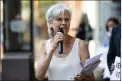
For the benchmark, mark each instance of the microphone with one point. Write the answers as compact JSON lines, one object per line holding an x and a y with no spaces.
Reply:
{"x":60,"y":44}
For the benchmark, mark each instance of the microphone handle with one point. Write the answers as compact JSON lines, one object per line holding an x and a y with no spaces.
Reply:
{"x":60,"y":47}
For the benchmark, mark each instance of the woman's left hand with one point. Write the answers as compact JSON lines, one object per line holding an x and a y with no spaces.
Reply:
{"x":82,"y":77}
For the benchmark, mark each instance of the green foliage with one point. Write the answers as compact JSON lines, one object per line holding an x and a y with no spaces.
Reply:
{"x":25,"y":4}
{"x":43,"y":7}
{"x":46,"y":3}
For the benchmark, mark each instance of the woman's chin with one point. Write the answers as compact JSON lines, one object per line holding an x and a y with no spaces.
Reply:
{"x":65,"y":32}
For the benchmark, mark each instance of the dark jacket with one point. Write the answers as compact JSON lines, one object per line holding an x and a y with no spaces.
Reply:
{"x":114,"y":47}
{"x":82,"y":32}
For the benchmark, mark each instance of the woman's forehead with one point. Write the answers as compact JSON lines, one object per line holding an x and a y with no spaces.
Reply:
{"x":63,"y":13}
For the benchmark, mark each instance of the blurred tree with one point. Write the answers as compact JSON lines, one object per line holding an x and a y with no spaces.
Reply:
{"x":25,"y":4}
{"x":43,"y":7}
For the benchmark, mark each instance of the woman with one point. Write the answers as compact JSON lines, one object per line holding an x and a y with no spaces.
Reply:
{"x":114,"y":49}
{"x":111,"y":23}
{"x":67,"y":65}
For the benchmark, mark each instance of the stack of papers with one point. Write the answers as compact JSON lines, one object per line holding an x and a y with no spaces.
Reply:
{"x":91,"y":64}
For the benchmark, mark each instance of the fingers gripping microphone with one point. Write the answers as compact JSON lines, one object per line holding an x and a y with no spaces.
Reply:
{"x":60,"y":44}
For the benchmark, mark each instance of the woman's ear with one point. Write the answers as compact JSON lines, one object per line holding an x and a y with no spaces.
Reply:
{"x":51,"y":24}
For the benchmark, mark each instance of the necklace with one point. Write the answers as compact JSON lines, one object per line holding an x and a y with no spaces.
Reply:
{"x":62,"y":56}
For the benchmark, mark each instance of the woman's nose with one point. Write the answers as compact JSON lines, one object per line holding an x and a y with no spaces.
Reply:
{"x":63,"y":22}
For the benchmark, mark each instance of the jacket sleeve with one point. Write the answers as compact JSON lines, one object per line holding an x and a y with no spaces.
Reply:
{"x":112,"y":50}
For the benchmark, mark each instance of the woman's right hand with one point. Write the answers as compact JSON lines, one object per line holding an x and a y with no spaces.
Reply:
{"x":58,"y":37}
{"x":82,"y":77}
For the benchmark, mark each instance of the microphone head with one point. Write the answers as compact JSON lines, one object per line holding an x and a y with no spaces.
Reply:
{"x":60,"y":30}
{"x":60,"y":47}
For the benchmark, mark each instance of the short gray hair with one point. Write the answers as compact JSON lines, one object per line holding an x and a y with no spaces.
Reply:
{"x":53,"y":12}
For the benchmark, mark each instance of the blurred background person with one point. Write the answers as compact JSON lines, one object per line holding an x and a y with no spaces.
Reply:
{"x":111,"y":23}
{"x":85,"y":31}
{"x":17,"y":27}
{"x":114,"y":49}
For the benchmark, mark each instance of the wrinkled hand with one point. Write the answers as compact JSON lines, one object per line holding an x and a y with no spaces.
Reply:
{"x":58,"y":37}
{"x":82,"y":77}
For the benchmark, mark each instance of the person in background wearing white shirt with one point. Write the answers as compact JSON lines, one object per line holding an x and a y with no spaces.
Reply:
{"x":110,"y":24}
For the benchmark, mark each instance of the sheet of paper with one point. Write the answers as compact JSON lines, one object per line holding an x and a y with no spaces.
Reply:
{"x":92,"y":60}
{"x":106,"y":72}
{"x":116,"y":73}
{"x":91,"y":64}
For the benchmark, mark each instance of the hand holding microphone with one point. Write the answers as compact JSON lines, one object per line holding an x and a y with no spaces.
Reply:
{"x":58,"y":41}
